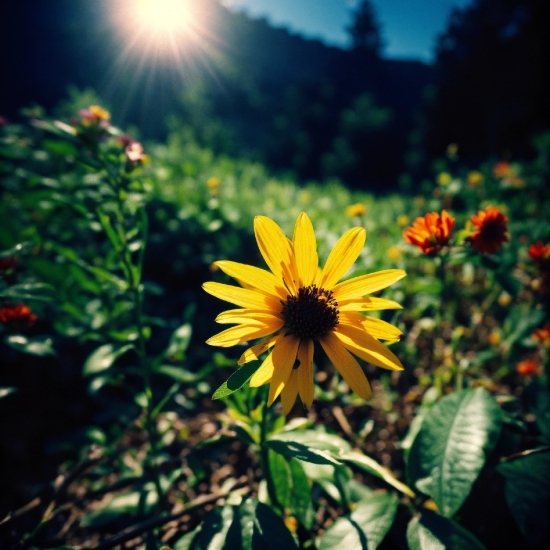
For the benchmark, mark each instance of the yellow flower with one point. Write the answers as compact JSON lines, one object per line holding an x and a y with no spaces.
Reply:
{"x":403,"y":220}
{"x":394,"y":253}
{"x":298,"y":304}
{"x":474,"y":178}
{"x":357,"y":209}
{"x":213,"y":185}
{"x":444,"y":178}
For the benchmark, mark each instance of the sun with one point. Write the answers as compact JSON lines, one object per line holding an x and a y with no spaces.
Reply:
{"x":163,"y":17}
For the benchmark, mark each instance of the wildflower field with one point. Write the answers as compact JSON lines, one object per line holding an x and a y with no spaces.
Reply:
{"x":196,"y":354}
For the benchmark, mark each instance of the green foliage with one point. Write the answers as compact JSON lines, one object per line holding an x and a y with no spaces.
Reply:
{"x":450,"y":449}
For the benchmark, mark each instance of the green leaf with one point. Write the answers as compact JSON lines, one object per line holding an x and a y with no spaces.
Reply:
{"x":29,"y":291}
{"x":365,"y":527}
{"x":527,"y":492}
{"x":316,"y":439}
{"x":372,"y":467}
{"x":260,"y":529}
{"x":103,"y":357}
{"x":293,"y":449}
{"x":35,"y":345}
{"x":187,"y":541}
{"x":291,"y":487}
{"x":121,"y":506}
{"x":434,"y":532}
{"x":214,"y":529}
{"x":112,"y":235}
{"x":237,"y":380}
{"x":449,"y":450}
{"x":179,"y":342}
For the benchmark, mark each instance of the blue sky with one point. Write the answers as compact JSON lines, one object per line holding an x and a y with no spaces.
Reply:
{"x":409,"y":27}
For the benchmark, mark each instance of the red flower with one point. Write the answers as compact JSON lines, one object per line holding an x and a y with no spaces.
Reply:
{"x":18,"y":316}
{"x":501,"y":169}
{"x":539,"y":252}
{"x":527,"y":367}
{"x":490,"y":230}
{"x":430,"y":233}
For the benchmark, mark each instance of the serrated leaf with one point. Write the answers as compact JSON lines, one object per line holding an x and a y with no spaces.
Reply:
{"x":103,"y":358}
{"x":293,"y":449}
{"x":365,"y":527}
{"x":370,"y":465}
{"x":434,"y":532}
{"x":33,"y":345}
{"x":237,"y":380}
{"x":527,"y":492}
{"x":450,"y":448}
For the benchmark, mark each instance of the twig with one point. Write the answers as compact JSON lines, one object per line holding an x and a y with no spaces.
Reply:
{"x":135,"y":530}
{"x":525,"y":453}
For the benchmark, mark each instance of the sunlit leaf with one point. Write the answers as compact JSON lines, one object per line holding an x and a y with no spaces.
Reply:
{"x":365,"y":527}
{"x":33,"y":345}
{"x":237,"y":380}
{"x":103,"y":357}
{"x":450,"y":448}
{"x":293,"y":449}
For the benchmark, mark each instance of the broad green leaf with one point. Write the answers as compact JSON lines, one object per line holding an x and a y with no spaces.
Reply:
{"x":434,"y":532}
{"x":365,"y":527}
{"x":268,"y":530}
{"x":291,"y":487}
{"x":450,"y":448}
{"x":103,"y":357}
{"x":33,"y":345}
{"x":370,"y":465}
{"x":214,"y":529}
{"x":292,"y":449}
{"x":237,"y":380}
{"x":329,"y":477}
{"x":126,"y":504}
{"x":187,"y":541}
{"x":527,"y":492}
{"x":316,"y":439}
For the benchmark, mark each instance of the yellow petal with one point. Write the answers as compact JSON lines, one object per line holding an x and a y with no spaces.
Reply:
{"x":366,"y":284}
{"x":264,"y":373}
{"x":342,"y":256}
{"x":243,"y":297}
{"x":241,"y":333}
{"x":246,"y":316}
{"x":276,"y":250}
{"x":362,"y":344}
{"x":375,"y":327}
{"x":254,"y":352}
{"x":368,"y":304}
{"x":254,"y":277}
{"x":289,"y":392}
{"x":347,"y":365}
{"x":305,"y":250}
{"x":305,"y":373}
{"x":284,"y":357}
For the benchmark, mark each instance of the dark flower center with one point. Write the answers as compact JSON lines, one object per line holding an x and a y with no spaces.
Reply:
{"x":310,"y":314}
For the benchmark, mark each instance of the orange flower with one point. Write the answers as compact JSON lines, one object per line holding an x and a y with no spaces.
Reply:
{"x":490,"y":230}
{"x":502,"y":169}
{"x":17,"y":316}
{"x":430,"y":233}
{"x":539,"y":252}
{"x":94,"y":115}
{"x":527,"y":367}
{"x":542,"y":335}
